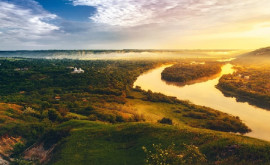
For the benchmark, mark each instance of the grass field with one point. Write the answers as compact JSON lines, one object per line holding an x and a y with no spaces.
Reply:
{"x":101,"y":143}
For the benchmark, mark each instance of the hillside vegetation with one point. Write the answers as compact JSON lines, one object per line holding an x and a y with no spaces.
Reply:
{"x":96,"y":117}
{"x":257,"y":57}
{"x":184,"y":73}
{"x":101,"y":143}
{"x":249,"y":83}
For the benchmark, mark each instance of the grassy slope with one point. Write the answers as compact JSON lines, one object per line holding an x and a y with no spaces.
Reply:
{"x":186,"y":114}
{"x":101,"y":143}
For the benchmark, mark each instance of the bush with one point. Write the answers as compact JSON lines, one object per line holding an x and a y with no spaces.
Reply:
{"x":85,"y":111}
{"x":53,"y":136}
{"x":166,"y":121}
{"x":191,"y":155}
{"x":18,"y":148}
{"x":196,"y":115}
{"x":53,"y":115}
{"x":138,"y":117}
{"x":21,"y":162}
{"x":119,"y":119}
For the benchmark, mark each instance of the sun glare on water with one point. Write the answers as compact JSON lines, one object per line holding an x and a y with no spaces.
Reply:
{"x":227,"y":69}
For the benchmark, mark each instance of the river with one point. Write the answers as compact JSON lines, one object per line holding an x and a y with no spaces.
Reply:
{"x":206,"y":94}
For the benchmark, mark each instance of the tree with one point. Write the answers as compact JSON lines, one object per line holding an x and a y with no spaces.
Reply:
{"x":53,"y":115}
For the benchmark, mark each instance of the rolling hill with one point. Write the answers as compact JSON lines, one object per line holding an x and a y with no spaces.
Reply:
{"x":259,"y":56}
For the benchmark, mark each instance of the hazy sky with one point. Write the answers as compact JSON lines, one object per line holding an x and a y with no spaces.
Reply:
{"x":142,"y":24}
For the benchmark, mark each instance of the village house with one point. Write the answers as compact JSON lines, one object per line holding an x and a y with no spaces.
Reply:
{"x":21,"y":69}
{"x":57,"y":98}
{"x":196,"y":63}
{"x":76,"y":70}
{"x":243,"y":76}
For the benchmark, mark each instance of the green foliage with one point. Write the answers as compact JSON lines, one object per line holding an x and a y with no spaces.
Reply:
{"x":159,"y":97}
{"x":53,"y":115}
{"x":21,"y":161}
{"x":227,"y":125}
{"x":191,"y":155}
{"x":53,"y":136}
{"x":18,"y":148}
{"x":102,"y":143}
{"x":56,"y":97}
{"x":46,"y":77}
{"x":204,"y":117}
{"x":52,"y":91}
{"x":30,"y":131}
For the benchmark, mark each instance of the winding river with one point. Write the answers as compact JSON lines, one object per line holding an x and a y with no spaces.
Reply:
{"x":206,"y":94}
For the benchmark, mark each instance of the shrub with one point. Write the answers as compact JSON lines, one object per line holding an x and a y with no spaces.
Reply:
{"x":191,"y":155}
{"x":196,"y":115}
{"x":138,"y":89}
{"x":166,"y":121}
{"x":53,"y":115}
{"x":119,"y":118}
{"x":53,"y":136}
{"x":20,"y":161}
{"x":18,"y":148}
{"x":137,"y":117}
{"x":85,"y":111}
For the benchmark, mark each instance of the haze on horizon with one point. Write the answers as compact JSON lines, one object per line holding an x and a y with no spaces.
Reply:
{"x":134,"y":24}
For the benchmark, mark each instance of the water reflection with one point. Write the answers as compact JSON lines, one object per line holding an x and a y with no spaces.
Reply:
{"x":206,"y":94}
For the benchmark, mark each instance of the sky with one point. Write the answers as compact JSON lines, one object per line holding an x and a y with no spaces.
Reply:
{"x":134,"y":24}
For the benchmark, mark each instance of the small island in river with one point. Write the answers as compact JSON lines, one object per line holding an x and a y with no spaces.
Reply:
{"x":186,"y":73}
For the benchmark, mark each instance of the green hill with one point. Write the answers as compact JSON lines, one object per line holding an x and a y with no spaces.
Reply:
{"x":101,"y":143}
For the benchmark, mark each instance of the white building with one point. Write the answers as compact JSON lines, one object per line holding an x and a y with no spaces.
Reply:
{"x":76,"y":70}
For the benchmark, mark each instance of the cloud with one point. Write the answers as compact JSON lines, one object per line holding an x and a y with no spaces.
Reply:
{"x":22,"y":22}
{"x":128,"y":13}
{"x":25,"y":24}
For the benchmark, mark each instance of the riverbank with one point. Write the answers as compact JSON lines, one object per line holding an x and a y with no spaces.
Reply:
{"x":248,"y":84}
{"x":206,"y":94}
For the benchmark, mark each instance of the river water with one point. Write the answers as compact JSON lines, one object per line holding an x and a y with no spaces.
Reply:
{"x":206,"y":94}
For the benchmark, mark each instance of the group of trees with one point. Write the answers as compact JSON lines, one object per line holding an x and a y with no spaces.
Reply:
{"x":50,"y":94}
{"x":255,"y":89}
{"x":187,"y":72}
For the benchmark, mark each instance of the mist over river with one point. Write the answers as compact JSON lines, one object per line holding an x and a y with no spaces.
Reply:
{"x":206,"y":94}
